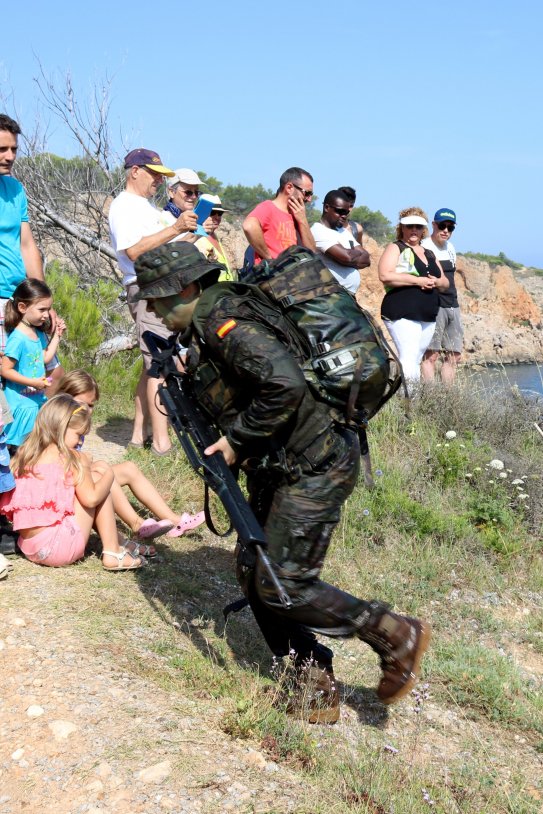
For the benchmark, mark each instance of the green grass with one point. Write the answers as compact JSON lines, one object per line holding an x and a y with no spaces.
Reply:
{"x":500,"y":259}
{"x":484,"y":681}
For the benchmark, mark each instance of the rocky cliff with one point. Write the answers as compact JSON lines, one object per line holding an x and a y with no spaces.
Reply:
{"x":501,"y":309}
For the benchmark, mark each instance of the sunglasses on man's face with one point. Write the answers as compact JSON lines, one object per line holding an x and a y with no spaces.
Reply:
{"x":307,"y":193}
{"x":190,"y":193}
{"x":449,"y":227}
{"x":339,"y":210}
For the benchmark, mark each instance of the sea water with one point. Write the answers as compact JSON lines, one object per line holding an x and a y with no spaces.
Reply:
{"x":527,"y":377}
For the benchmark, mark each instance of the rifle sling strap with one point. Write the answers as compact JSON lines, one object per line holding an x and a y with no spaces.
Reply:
{"x":234,"y":607}
{"x":209,"y":521}
{"x":355,"y":387}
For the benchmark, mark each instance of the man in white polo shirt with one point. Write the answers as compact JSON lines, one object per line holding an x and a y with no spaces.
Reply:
{"x":136,"y":226}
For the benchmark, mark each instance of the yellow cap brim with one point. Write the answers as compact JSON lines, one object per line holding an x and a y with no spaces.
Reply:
{"x":158,"y":168}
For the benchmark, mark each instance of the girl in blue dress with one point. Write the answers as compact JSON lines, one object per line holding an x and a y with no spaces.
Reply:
{"x":28,"y":349}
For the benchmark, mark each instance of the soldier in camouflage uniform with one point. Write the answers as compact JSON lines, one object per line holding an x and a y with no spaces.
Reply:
{"x":301,"y":466}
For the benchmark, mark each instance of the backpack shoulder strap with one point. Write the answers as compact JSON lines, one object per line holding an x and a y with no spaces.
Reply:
{"x":354,"y":229}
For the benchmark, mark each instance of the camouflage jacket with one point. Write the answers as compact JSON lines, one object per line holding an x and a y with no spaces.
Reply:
{"x":259,"y":398}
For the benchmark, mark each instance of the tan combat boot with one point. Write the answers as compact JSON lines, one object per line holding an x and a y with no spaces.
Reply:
{"x":400,"y":641}
{"x":315,"y":698}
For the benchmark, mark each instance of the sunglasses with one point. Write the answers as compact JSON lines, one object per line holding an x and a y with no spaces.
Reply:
{"x":216,"y":213}
{"x":308,"y":194}
{"x":339,"y":211}
{"x":449,"y":227}
{"x":190,"y":193}
{"x":151,"y":172}
{"x":413,"y":226}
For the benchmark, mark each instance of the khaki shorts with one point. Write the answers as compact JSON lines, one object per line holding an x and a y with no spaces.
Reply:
{"x":145,"y":321}
{"x":449,"y":332}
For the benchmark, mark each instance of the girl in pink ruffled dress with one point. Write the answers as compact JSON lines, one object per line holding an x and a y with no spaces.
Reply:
{"x":57,"y":500}
{"x":83,"y":387}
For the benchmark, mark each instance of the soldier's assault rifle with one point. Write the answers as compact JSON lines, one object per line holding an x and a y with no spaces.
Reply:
{"x":195,"y":434}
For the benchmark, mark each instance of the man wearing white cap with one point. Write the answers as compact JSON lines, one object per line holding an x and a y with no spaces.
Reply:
{"x":183,"y":193}
{"x":136,"y":226}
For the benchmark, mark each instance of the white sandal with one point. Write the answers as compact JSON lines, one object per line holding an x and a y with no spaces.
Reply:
{"x":120,"y":557}
{"x":5,"y":566}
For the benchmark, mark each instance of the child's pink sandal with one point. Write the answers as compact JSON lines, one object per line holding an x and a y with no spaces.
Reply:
{"x":152,"y":528}
{"x":187,"y":522}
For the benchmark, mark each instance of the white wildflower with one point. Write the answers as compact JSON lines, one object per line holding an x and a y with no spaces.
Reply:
{"x":523,"y":496}
{"x":491,"y":481}
{"x":450,"y":434}
{"x":516,"y":482}
{"x":496,"y":464}
{"x":503,"y":474}
{"x":477,"y":469}
{"x":446,"y":445}
{"x":468,"y":475}
{"x":437,"y":446}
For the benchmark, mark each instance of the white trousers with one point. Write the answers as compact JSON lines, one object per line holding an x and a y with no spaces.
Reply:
{"x":411,"y":339}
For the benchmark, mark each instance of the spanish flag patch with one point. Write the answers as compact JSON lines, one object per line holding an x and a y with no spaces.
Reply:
{"x":226,"y":327}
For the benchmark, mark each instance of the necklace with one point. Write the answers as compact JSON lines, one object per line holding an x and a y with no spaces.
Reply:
{"x":28,"y":325}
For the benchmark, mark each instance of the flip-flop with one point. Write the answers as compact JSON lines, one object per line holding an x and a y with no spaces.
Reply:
{"x":140,"y":445}
{"x":187,"y":522}
{"x":160,"y":454}
{"x":152,"y":528}
{"x":120,"y":557}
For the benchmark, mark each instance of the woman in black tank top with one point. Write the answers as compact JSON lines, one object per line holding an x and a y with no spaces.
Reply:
{"x":412,"y":277}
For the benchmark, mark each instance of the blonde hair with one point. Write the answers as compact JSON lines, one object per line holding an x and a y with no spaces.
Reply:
{"x":77,"y":382}
{"x":411,"y":210}
{"x":56,"y":416}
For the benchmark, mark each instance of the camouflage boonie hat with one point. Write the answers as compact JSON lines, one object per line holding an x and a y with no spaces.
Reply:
{"x":169,"y":269}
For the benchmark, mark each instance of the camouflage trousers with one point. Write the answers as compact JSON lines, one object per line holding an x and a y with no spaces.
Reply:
{"x":299,"y":518}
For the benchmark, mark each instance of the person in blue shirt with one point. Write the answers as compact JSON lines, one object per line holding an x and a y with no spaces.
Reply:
{"x":19,"y":255}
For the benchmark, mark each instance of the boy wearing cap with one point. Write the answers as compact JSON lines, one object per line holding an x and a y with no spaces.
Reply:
{"x":136,"y":226}
{"x":447,"y":340}
{"x":301,"y":467}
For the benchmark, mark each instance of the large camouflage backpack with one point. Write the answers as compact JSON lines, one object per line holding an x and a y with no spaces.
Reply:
{"x":349,"y":362}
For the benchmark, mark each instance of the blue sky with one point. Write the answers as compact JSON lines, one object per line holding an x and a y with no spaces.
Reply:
{"x":433,"y":104}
